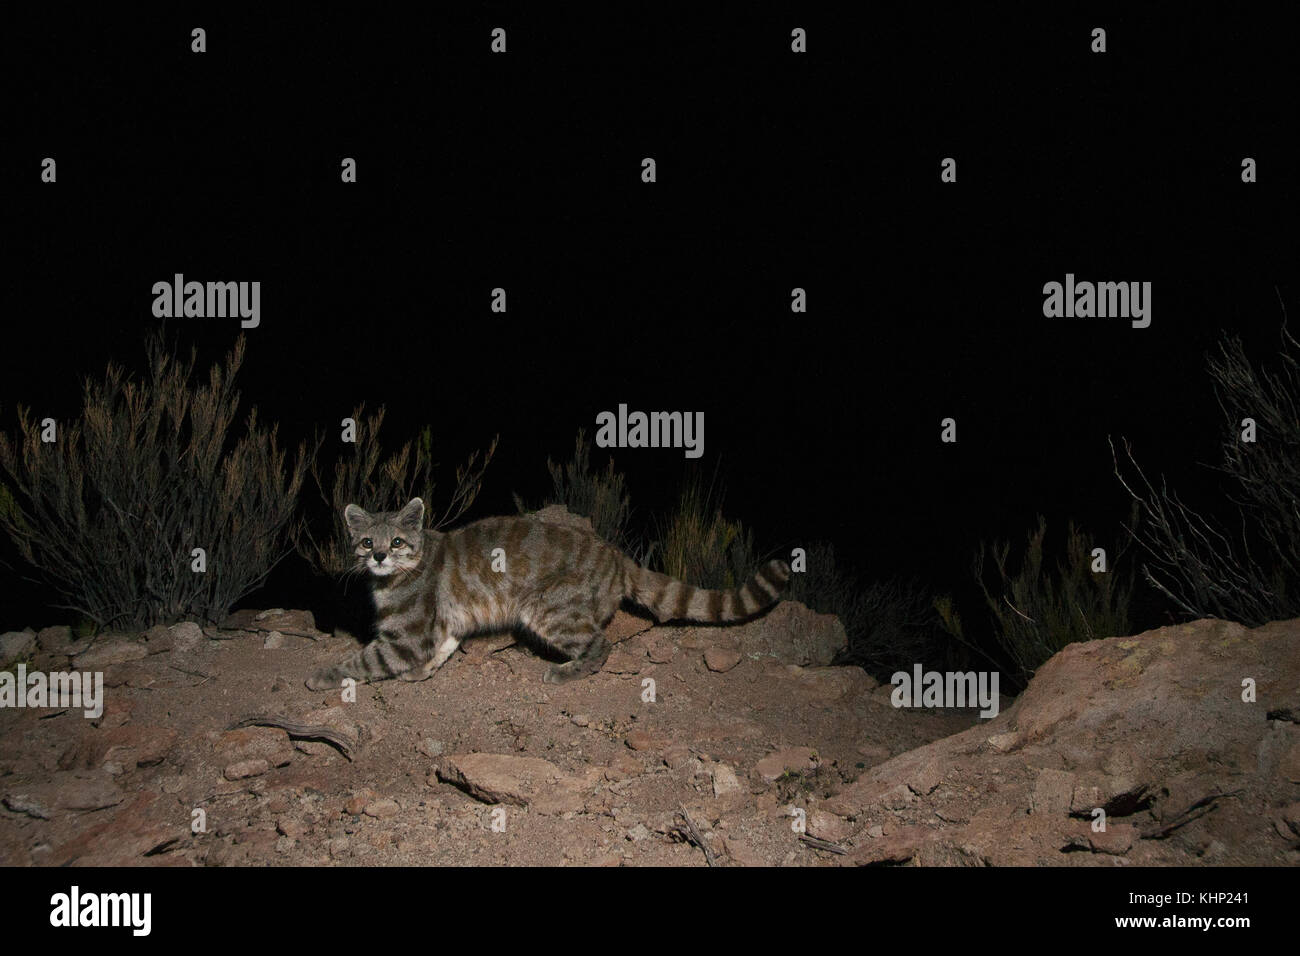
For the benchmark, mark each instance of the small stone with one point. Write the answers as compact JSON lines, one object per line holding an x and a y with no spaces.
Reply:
{"x":677,"y":756}
{"x":621,"y":662}
{"x":581,"y":720}
{"x":432,"y":748}
{"x":724,"y":780}
{"x":1053,"y":791}
{"x":638,"y":833}
{"x":158,"y":639}
{"x":55,"y":638}
{"x":644,"y":740}
{"x":382,"y":809}
{"x":623,"y":766}
{"x":271,"y":744}
{"x":1002,"y":743}
{"x":1115,"y":840}
{"x":828,"y":826}
{"x":28,"y":804}
{"x":15,"y":645}
{"x":721,"y":659}
{"x":792,"y":759}
{"x":661,"y":651}
{"x":186,"y":636}
{"x":274,"y":641}
{"x":89,"y":792}
{"x":104,"y":654}
{"x":293,"y":829}
{"x":243,"y":769}
{"x":358,"y":802}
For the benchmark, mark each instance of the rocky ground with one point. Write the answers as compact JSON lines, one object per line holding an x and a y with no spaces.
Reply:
{"x":732,"y":746}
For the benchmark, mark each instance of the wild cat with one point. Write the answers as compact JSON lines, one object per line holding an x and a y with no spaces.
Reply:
{"x":563,"y":583}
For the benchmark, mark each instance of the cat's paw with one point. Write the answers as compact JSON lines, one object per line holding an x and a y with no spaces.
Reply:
{"x":417,"y":673}
{"x":563,"y":673}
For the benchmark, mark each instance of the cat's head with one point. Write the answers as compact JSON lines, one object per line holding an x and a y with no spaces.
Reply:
{"x":388,"y":542}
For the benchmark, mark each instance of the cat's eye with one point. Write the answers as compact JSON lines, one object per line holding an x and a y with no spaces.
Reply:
{"x":397,"y":543}
{"x":366,"y":543}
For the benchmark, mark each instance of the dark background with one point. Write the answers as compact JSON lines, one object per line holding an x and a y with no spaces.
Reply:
{"x":775,"y":170}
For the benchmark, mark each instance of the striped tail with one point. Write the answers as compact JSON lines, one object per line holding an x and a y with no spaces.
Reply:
{"x":671,"y":600}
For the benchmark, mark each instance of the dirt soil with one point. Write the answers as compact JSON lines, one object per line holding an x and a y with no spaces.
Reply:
{"x":688,"y":748}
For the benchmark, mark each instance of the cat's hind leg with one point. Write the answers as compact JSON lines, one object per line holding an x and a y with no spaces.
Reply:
{"x":573,"y":632}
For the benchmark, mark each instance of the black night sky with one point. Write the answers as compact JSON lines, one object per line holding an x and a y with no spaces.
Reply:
{"x":775,"y":171}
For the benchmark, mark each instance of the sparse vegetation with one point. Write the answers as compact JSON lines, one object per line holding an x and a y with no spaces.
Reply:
{"x":700,"y":546}
{"x":890,"y":624}
{"x":1250,"y":575}
{"x":364,"y":476}
{"x":111,"y":512}
{"x":600,"y":496}
{"x":1037,"y":610}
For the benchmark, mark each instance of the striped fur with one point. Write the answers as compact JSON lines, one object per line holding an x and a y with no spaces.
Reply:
{"x":559,"y":581}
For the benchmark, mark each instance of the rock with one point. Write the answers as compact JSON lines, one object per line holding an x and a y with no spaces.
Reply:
{"x":645,"y":740}
{"x":277,"y":619}
{"x":242,"y":769}
{"x":558,"y":514}
{"x":521,"y":781}
{"x":622,"y":662}
{"x":274,"y":641}
{"x":828,"y":826}
{"x":127,"y":745}
{"x":792,"y":760}
{"x":661,"y":651}
{"x":676,"y":756}
{"x":740,"y":853}
{"x":336,"y":718}
{"x":293,"y":829}
{"x":638,"y":833}
{"x":724,"y":780}
{"x":793,"y":634}
{"x":828,"y":684}
{"x":1115,"y":840}
{"x":1289,"y":766}
{"x":255,"y":743}
{"x":54,"y":639}
{"x":106,"y":653}
{"x":382,"y":809}
{"x":580,"y":720}
{"x":721,"y":660}
{"x":431,"y":748}
{"x":893,"y":848}
{"x":158,"y":639}
{"x":1053,"y":792}
{"x":186,"y":636}
{"x":34,"y":806}
{"x":1004,"y":743}
{"x":15,"y":645}
{"x":622,"y":767}
{"x":623,"y":626}
{"x":360,"y":799}
{"x":93,"y":791}
{"x":871,"y":790}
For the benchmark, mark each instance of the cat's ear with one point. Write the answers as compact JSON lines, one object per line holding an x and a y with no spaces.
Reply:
{"x":357,"y":518}
{"x":412,"y":516}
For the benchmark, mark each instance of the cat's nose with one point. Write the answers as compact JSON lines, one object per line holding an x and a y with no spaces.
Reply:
{"x":379,"y":557}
